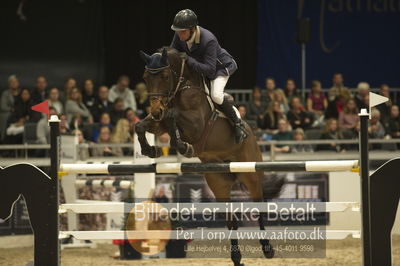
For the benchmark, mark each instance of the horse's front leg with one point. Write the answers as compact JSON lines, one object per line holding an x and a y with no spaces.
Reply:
{"x":184,"y":148}
{"x":149,"y":125}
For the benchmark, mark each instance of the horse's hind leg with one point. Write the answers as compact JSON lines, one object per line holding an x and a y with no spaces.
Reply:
{"x":221,"y":185}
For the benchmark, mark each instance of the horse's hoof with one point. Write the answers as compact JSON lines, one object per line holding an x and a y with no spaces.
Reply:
{"x":189,"y":151}
{"x":186,"y":150}
{"x":238,"y":264}
{"x":269,"y":251}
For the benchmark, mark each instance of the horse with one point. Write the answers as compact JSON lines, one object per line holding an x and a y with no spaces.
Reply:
{"x":179,"y":106}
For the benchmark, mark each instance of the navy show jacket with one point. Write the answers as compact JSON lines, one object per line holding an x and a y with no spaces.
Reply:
{"x":206,"y":55}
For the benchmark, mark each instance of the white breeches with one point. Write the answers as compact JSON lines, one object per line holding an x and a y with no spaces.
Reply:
{"x":217,"y":89}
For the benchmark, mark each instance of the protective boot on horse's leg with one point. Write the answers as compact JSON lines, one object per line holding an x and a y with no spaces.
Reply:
{"x":217,"y":95}
{"x":184,"y":148}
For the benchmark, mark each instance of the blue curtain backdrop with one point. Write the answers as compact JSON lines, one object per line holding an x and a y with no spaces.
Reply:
{"x":359,"y":38}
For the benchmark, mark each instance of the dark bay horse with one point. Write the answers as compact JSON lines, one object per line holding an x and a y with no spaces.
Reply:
{"x":179,"y":106}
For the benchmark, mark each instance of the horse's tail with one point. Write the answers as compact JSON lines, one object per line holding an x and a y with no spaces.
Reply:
{"x":272,"y":186}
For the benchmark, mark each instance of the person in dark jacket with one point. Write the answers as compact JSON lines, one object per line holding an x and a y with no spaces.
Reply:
{"x":39,"y":93}
{"x":204,"y":54}
{"x":102,"y":104}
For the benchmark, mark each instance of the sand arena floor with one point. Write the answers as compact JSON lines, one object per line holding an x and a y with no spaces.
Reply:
{"x":346,"y":252}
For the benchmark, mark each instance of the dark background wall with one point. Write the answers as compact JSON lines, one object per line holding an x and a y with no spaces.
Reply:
{"x":100,"y":39}
{"x":359,"y":38}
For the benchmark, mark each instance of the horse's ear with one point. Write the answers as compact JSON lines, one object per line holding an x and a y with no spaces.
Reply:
{"x":145,"y":57}
{"x":164,"y":57}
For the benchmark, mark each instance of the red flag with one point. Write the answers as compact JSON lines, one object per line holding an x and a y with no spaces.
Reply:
{"x":42,"y":107}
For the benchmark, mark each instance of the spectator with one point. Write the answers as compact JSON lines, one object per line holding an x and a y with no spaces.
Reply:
{"x":121,"y":134}
{"x":22,"y":108}
{"x":118,"y":111}
{"x":338,"y":89}
{"x":132,"y":118}
{"x":103,"y":105}
{"x":105,"y":121}
{"x":279,"y":96}
{"x":39,"y":93}
{"x":121,"y":90}
{"x":74,"y":105}
{"x":164,"y":140}
{"x":349,"y":119}
{"x":14,"y":132}
{"x":271,"y":117}
{"x":256,"y":107}
{"x":22,"y":113}
{"x":88,"y":95}
{"x":242,"y":111}
{"x":316,"y":100}
{"x":142,"y":100}
{"x":70,"y":84}
{"x":290,"y":89}
{"x":270,"y":87}
{"x":299,"y":137}
{"x":394,"y":122}
{"x":297,"y":116}
{"x":362,"y":92}
{"x":332,"y":132}
{"x":43,"y":129}
{"x":384,"y":108}
{"x":83,"y":149}
{"x":54,"y":100}
{"x":161,"y":196}
{"x":64,"y":126}
{"x":283,"y":134}
{"x":335,"y":107}
{"x":104,"y":138}
{"x":376,"y":129}
{"x":366,"y":102}
{"x":7,"y":102}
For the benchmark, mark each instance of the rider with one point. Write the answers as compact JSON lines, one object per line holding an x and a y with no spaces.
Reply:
{"x":204,"y":54}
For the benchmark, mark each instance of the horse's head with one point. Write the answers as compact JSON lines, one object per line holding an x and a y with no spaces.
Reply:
{"x":160,"y":80}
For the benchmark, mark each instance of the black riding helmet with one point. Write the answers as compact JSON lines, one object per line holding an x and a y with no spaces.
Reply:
{"x":184,"y":20}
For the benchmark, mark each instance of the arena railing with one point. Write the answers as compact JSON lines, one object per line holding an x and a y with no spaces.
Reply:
{"x":243,"y":96}
{"x":267,"y":146}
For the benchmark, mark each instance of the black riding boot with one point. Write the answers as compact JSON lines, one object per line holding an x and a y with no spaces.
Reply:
{"x":240,"y":130}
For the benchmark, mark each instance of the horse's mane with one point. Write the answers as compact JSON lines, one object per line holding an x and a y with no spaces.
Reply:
{"x":174,"y":55}
{"x":169,"y":49}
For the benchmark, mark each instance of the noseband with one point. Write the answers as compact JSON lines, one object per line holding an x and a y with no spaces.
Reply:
{"x":171,"y":93}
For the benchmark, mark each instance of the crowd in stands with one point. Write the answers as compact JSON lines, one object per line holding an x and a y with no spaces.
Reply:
{"x":282,"y":114}
{"x":99,"y":114}
{"x":96,"y":115}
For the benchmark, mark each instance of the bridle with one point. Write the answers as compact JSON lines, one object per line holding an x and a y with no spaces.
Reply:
{"x":171,"y":92}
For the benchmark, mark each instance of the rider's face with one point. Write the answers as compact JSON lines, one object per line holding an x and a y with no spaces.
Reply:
{"x":184,"y":35}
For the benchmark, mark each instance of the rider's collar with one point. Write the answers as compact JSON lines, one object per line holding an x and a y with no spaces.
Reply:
{"x":197,"y":35}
